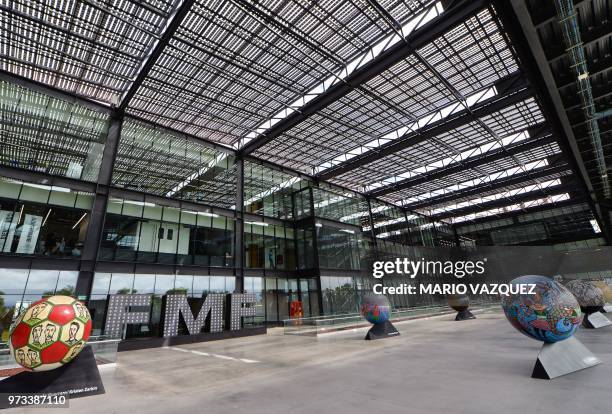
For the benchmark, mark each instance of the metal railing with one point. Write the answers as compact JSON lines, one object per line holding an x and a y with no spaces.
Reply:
{"x":316,"y":325}
{"x":104,"y":349}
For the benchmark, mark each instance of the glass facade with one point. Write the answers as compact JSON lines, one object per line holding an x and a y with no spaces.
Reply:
{"x":339,"y":247}
{"x":269,"y":246}
{"x":168,"y":213}
{"x":268,"y":191}
{"x":142,"y":231}
{"x":42,"y":220}
{"x":284,"y":298}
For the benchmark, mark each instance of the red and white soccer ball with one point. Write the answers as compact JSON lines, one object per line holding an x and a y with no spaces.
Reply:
{"x":50,"y":333}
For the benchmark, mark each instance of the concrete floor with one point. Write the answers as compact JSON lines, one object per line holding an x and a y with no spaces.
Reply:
{"x":436,"y":365}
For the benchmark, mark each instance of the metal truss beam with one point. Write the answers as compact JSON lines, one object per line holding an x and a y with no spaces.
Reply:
{"x":456,"y":14}
{"x":489,"y":186}
{"x":537,"y":140}
{"x":589,"y":37}
{"x":595,"y":68}
{"x":599,"y":94}
{"x":521,"y":198}
{"x":165,"y":38}
{"x":516,"y":91}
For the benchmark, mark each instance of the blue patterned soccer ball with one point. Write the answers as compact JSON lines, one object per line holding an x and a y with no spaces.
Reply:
{"x":375,"y":308}
{"x":551,"y":315}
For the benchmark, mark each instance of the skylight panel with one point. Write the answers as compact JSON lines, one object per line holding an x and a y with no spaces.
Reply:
{"x":475,"y":182}
{"x":511,"y":208}
{"x":494,"y":197}
{"x":346,"y":71}
{"x":413,"y":127}
{"x":91,"y":48}
{"x":454,"y":159}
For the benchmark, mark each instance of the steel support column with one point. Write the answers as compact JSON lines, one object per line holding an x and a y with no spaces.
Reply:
{"x":315,"y":247}
{"x":98,"y":211}
{"x":239,"y":226}
{"x":456,"y":236}
{"x":408,"y":231}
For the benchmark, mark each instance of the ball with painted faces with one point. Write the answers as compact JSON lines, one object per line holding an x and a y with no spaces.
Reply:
{"x":50,"y":333}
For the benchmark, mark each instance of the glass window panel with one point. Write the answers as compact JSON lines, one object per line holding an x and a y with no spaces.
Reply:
{"x":9,"y":310}
{"x":201,"y":284}
{"x":42,"y":282}
{"x":101,"y":283}
{"x":183,"y":284}
{"x":152,"y":212}
{"x":217,"y":284}
{"x":257,"y":284}
{"x":13,"y":281}
{"x":84,"y":200}
{"x":59,"y":198}
{"x":132,"y":208}
{"x":114,"y":206}
{"x":164,"y":284}
{"x":97,"y":309}
{"x":248,"y":284}
{"x":171,"y":214}
{"x":66,"y":282}
{"x":189,"y":217}
{"x":230,"y":284}
{"x":31,"y":193}
{"x":9,"y":188}
{"x":270,"y":283}
{"x":144,"y":284}
{"x":121,"y":283}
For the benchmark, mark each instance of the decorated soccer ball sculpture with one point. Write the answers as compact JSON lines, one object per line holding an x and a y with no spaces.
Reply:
{"x":606,"y":290}
{"x":50,"y":333}
{"x":460,"y":303}
{"x":589,"y":296}
{"x":375,"y":308}
{"x":552,"y":314}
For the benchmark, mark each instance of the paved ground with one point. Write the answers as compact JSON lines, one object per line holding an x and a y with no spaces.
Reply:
{"x":435,"y":366}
